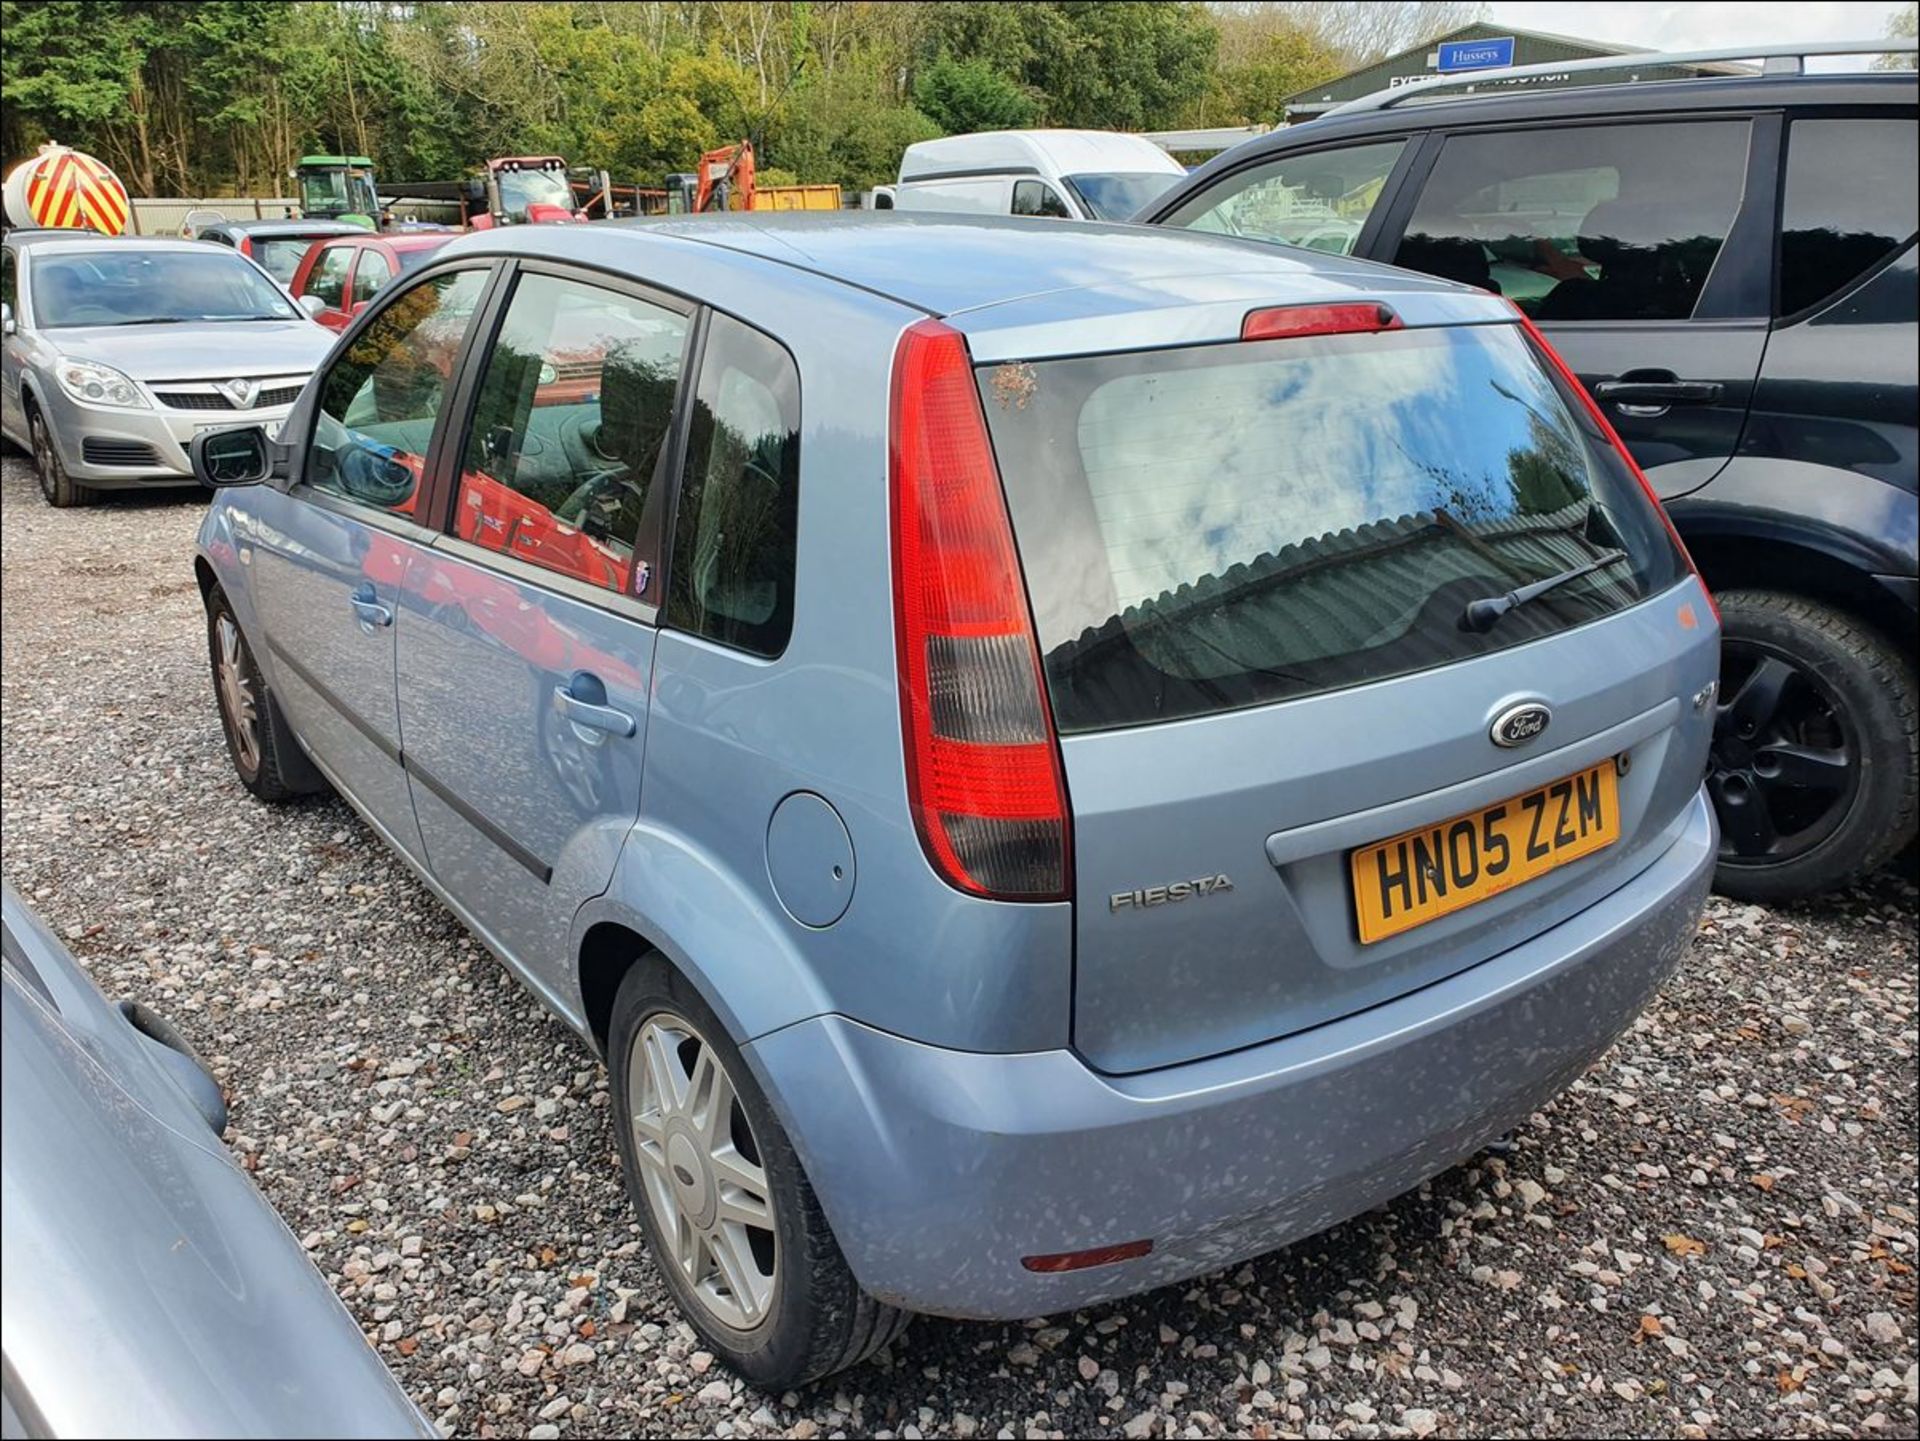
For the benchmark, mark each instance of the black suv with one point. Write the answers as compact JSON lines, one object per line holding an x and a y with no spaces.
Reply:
{"x":1729,"y":264}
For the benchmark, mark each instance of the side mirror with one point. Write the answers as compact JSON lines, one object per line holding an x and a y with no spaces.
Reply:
{"x":239,"y":456}
{"x":313,"y":305}
{"x":7,"y":327}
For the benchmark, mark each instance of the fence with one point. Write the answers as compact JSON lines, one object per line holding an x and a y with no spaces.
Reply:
{"x":165,"y":217}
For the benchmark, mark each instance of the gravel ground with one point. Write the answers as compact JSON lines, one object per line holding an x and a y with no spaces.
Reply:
{"x":1713,"y":1233}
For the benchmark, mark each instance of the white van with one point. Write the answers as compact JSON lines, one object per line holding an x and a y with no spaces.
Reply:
{"x":1069,"y":174}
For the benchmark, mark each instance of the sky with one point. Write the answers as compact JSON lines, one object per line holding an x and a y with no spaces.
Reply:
{"x":1702,"y":24}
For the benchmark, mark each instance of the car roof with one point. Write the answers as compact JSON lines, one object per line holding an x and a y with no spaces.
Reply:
{"x":945,"y":262}
{"x":288,"y":227}
{"x":1067,"y":151}
{"x":37,"y":237}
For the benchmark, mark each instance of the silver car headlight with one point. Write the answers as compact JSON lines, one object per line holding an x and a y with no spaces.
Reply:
{"x":92,"y":383}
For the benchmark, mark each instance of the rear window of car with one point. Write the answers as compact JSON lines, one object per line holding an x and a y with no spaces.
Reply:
{"x":281,"y":255}
{"x":1228,"y":525}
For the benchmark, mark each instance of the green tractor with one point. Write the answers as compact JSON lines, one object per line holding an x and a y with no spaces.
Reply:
{"x":338,"y":187}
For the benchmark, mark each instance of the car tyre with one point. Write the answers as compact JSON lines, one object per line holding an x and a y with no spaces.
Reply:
{"x":260,"y":743}
{"x":1805,"y":683}
{"x":57,"y":487}
{"x":815,"y":1320}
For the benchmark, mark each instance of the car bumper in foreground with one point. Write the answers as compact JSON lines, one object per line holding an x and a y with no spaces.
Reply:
{"x":940,"y":1170}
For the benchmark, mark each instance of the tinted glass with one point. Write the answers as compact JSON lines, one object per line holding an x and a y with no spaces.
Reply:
{"x":369,"y":275}
{"x":1036,"y":197}
{"x":140,"y":287}
{"x":1225,"y":525}
{"x":733,"y":544}
{"x":280,"y":256}
{"x":379,"y":400}
{"x":1598,"y":222}
{"x":1319,"y":201}
{"x":573,"y":414}
{"x":1121,"y":195}
{"x":328,"y":278}
{"x":1850,"y":202}
{"x":6,"y":276}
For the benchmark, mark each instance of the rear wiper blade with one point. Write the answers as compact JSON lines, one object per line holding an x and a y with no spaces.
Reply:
{"x":1481,"y":615}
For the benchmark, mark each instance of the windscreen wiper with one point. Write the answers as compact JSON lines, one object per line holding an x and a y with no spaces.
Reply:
{"x":1481,"y":615}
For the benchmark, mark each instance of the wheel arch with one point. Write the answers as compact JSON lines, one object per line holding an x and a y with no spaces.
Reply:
{"x":1746,"y":557}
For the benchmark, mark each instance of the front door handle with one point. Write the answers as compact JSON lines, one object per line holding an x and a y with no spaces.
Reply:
{"x":1667,"y":390}
{"x":367,"y":608}
{"x":583,"y":701}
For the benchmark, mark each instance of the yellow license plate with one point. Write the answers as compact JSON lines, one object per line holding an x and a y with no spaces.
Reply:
{"x":1432,"y":872}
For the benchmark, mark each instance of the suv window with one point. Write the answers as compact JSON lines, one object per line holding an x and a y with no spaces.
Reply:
{"x":1036,"y":197}
{"x":1850,"y":202}
{"x":733,"y":544}
{"x":379,"y":400}
{"x":1319,"y":201}
{"x":328,"y":278}
{"x":369,"y":275}
{"x":572,"y":417}
{"x":1593,"y":222}
{"x":7,"y":282}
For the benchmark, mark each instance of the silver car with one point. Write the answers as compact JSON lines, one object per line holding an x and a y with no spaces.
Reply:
{"x":117,"y":352}
{"x":149,"y":1289}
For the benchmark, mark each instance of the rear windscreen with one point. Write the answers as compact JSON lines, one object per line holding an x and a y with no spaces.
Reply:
{"x":1227,"y":525}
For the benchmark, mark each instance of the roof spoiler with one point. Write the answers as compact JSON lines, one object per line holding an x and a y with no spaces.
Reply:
{"x":1779,"y":59}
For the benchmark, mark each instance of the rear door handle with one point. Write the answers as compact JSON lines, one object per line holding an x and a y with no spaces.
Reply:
{"x":583,"y":701}
{"x":1659,"y":392}
{"x":367,"y":608}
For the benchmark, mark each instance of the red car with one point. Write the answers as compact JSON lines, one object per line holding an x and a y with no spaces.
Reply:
{"x":338,"y":277}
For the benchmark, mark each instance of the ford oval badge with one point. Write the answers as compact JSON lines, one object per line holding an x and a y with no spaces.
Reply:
{"x":1519,"y":724}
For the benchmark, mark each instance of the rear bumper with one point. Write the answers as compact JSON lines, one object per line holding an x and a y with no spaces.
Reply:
{"x":940,"y":1169}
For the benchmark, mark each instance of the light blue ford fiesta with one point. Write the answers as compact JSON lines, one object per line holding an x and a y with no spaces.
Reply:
{"x":1049,"y":758}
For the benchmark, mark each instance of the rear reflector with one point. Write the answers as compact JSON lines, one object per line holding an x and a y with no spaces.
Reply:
{"x":1565,"y":372}
{"x":983,"y":767}
{"x":1288,"y":322}
{"x":1081,"y":1260}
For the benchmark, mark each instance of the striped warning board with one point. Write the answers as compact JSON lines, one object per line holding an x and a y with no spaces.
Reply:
{"x":68,"y":189}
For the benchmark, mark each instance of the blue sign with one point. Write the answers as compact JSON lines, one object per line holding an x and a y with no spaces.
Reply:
{"x":1476,"y":54}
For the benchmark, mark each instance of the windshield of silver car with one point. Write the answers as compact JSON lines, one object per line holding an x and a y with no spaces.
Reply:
{"x":151,"y":288}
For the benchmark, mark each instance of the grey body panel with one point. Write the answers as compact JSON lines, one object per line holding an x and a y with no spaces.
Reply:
{"x":149,"y":1289}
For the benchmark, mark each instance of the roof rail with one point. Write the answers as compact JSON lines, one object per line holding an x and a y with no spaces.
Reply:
{"x":1781,"y":59}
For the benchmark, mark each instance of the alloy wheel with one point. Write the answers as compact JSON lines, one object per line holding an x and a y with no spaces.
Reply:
{"x":702,"y":1171}
{"x":237,"y":701}
{"x":1785,"y":762}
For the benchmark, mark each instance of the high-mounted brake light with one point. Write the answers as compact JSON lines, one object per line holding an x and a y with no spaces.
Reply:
{"x":1565,"y":371}
{"x":983,"y":766}
{"x":1289,"y":322}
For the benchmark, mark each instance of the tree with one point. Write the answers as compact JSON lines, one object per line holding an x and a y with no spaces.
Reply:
{"x":967,"y":95}
{"x":1900,"y":26}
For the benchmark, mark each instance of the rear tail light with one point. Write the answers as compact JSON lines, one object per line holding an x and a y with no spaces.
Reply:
{"x":1565,"y":372}
{"x":1289,"y":322}
{"x":983,"y":767}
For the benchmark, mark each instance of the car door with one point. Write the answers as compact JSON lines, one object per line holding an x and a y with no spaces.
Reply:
{"x":331,"y":551}
{"x":327,"y":280}
{"x":1642,"y":249}
{"x":527,"y":638}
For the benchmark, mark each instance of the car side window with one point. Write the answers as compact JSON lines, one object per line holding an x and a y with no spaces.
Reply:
{"x":1036,"y":197}
{"x":1850,"y":202}
{"x":1319,"y":201}
{"x":1591,"y":222}
{"x":731,"y":576}
{"x":7,"y":282}
{"x":370,"y":275}
{"x":571,"y":421}
{"x":380,"y":398}
{"x":328,"y":278}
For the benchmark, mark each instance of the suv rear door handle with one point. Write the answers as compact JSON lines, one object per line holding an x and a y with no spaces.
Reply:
{"x":1629,"y":391}
{"x":367,"y":608}
{"x":583,"y":701}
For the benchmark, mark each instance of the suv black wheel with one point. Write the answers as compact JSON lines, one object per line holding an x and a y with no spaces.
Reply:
{"x":1813,"y":771}
{"x":735,"y":1229}
{"x":59,"y":488}
{"x":265,"y":755}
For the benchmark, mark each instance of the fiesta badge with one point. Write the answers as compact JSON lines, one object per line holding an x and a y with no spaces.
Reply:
{"x":1519,"y":724}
